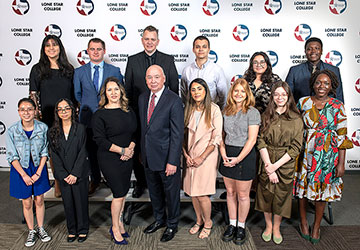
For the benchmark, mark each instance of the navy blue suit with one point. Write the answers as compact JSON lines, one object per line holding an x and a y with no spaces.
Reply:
{"x":88,"y":97}
{"x":161,"y":143}
{"x":298,"y":79}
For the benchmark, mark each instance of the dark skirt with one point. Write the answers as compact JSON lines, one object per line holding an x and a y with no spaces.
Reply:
{"x":243,"y":171}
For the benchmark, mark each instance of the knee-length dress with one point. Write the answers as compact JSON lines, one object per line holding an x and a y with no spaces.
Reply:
{"x":201,"y":180}
{"x":325,"y":134}
{"x":114,"y":126}
{"x":283,"y":136}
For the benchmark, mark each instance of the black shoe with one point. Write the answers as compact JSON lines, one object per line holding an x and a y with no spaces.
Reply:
{"x":252,"y":194}
{"x":71,"y":238}
{"x":168,"y":234}
{"x":229,"y":233}
{"x":92,"y":187}
{"x":240,"y":236}
{"x":223,"y":196}
{"x":152,"y":228}
{"x":82,"y":238}
{"x":138,"y":191}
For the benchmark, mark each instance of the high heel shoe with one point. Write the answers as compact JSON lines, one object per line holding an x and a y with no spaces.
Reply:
{"x":123,"y":242}
{"x":315,"y":240}
{"x":125,"y":235}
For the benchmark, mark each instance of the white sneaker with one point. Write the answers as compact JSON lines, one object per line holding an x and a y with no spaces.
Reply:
{"x":31,"y":239}
{"x":43,"y":235}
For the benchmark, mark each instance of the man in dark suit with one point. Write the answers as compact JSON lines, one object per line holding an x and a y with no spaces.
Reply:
{"x":135,"y":85}
{"x":88,"y":80}
{"x":162,"y":131}
{"x":299,"y":76}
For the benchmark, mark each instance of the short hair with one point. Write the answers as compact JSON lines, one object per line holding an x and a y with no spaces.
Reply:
{"x":333,"y":78}
{"x":313,"y":39}
{"x":96,"y":40}
{"x":151,"y":28}
{"x":26,"y":99}
{"x":201,"y":38}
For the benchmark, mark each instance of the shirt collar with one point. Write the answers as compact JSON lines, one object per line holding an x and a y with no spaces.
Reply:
{"x":159,"y":93}
{"x":204,"y":65}
{"x":101,"y":65}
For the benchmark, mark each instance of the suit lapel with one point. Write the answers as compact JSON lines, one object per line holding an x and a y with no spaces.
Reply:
{"x":88,"y":74}
{"x":196,"y":133}
{"x":67,"y":143}
{"x":158,"y":106}
{"x":105,"y":74}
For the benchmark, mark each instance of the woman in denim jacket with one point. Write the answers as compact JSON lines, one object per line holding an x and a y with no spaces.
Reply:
{"x":26,"y":144}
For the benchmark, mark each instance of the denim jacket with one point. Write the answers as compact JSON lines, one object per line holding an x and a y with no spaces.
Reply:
{"x":19,"y":147}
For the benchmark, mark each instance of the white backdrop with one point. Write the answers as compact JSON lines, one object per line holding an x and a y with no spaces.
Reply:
{"x":236,"y":29}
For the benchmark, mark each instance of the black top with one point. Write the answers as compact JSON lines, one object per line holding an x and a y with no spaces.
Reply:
{"x":51,"y":90}
{"x":113,"y":126}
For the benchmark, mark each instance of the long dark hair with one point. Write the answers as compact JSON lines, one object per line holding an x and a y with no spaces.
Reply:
{"x":250,"y":74}
{"x":191,"y":104}
{"x":333,"y":78}
{"x":66,"y":69}
{"x":270,"y":115}
{"x":56,"y":130}
{"x":124,"y":101}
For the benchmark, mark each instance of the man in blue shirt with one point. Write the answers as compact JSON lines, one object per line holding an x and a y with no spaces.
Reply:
{"x":299,"y":75}
{"x":88,"y":80}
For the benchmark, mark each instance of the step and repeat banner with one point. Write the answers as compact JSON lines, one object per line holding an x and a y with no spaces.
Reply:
{"x":236,"y":29}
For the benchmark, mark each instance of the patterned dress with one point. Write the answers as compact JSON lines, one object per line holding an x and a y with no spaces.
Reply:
{"x":325,"y":135}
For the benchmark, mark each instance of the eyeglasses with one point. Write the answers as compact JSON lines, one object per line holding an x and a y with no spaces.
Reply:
{"x":63,"y":110}
{"x":22,"y":110}
{"x":261,"y":63}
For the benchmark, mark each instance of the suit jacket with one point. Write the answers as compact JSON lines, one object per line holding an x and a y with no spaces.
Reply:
{"x":71,"y":157}
{"x":85,"y":92}
{"x":161,"y":139}
{"x":298,"y":79}
{"x":135,"y":83}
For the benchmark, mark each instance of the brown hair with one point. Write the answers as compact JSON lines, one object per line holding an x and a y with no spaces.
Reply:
{"x":230,"y":108}
{"x":123,"y":99}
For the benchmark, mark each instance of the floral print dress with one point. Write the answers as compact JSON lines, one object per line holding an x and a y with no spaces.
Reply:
{"x":325,"y":135}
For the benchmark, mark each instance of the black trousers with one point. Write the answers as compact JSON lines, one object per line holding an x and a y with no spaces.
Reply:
{"x":92,"y":149}
{"x":165,"y":196}
{"x":76,"y":206}
{"x":138,"y":167}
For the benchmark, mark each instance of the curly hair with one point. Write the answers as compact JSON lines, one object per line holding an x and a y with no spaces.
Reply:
{"x":333,"y":78}
{"x":124,"y":102}
{"x":270,"y":115}
{"x":55,"y":132}
{"x":230,"y":108}
{"x":250,"y":74}
{"x":66,"y":69}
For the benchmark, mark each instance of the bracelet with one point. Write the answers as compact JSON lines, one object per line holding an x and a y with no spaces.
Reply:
{"x":37,"y":174}
{"x":122,"y":151}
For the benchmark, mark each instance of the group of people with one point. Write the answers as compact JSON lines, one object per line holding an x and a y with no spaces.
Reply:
{"x":252,"y":130}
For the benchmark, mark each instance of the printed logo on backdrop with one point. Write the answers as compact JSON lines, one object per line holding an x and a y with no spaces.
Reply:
{"x":333,"y":57}
{"x":302,"y":32}
{"x":242,"y":5}
{"x":180,"y":58}
{"x":234,"y":78}
{"x":148,"y":7}
{"x":89,"y":32}
{"x":23,"y":57}
{"x":176,"y":6}
{"x":2,"y":128}
{"x":240,"y":58}
{"x":118,"y":32}
{"x":211,"y":7}
{"x":1,"y":81}
{"x":119,"y":7}
{"x":297,"y":59}
{"x":304,"y":5}
{"x":52,"y":5}
{"x":273,"y":57}
{"x":213,"y":56}
{"x":22,"y":81}
{"x":210,"y":32}
{"x":357,"y":85}
{"x":178,"y":32}
{"x":118,"y":57}
{"x":2,"y":106}
{"x":272,"y":7}
{"x":335,"y":32}
{"x":357,"y":57}
{"x":241,"y":32}
{"x":85,"y":7}
{"x":21,"y":31}
{"x":355,"y":137}
{"x":337,"y":7}
{"x":53,"y":29}
{"x":271,"y":32}
{"x":83,"y":57}
{"x":20,"y":7}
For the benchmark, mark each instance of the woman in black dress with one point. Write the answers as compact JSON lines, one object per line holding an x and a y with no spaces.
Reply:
{"x":51,"y":79}
{"x":114,"y":125}
{"x":71,"y":164}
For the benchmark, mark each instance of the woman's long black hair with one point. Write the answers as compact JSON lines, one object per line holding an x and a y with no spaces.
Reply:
{"x":56,"y":131}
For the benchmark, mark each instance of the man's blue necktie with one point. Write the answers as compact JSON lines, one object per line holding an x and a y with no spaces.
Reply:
{"x":96,"y":77}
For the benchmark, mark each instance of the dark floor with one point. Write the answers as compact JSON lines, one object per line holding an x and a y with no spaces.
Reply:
{"x":343,"y":234}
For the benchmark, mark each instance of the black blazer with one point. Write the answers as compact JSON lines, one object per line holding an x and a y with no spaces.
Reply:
{"x":135,"y":83}
{"x":71,"y":157}
{"x":161,"y":139}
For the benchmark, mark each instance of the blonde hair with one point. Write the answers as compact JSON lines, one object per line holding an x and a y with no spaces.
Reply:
{"x":124,"y":102}
{"x":249,"y":101}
